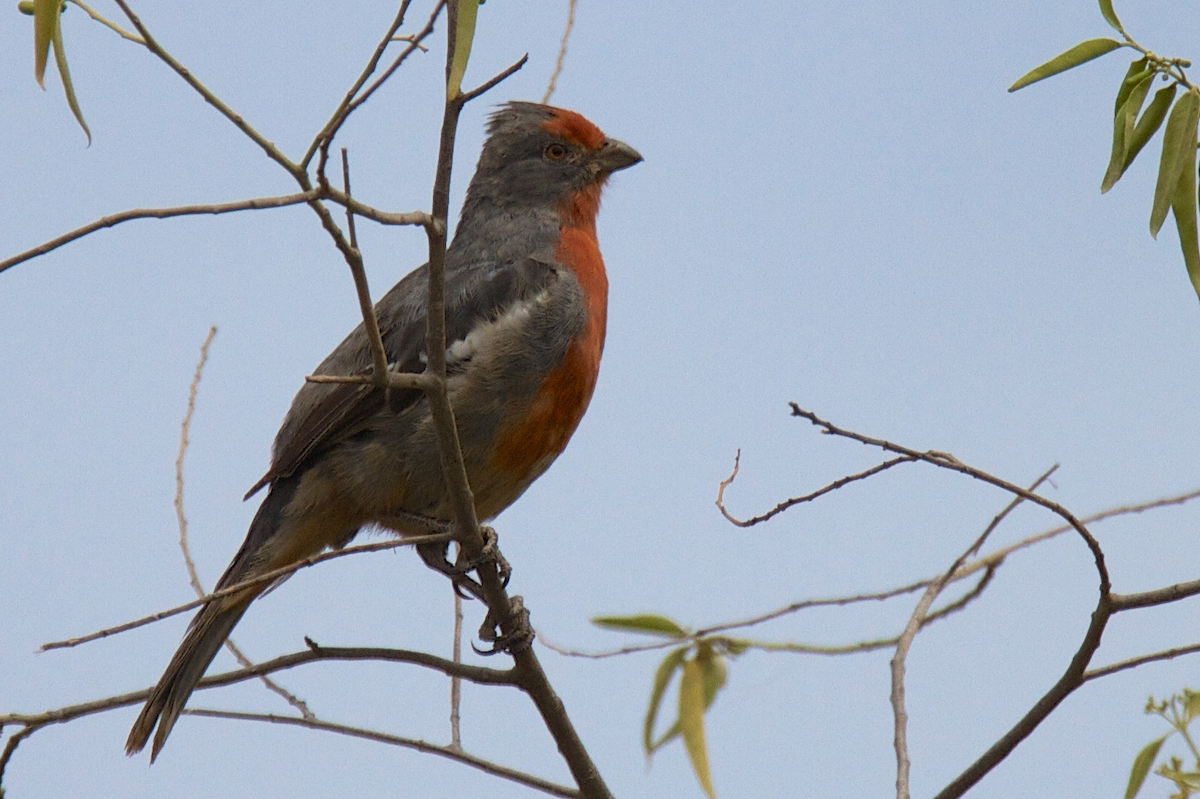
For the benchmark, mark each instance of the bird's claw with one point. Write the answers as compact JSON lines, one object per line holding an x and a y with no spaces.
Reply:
{"x":509,"y":635}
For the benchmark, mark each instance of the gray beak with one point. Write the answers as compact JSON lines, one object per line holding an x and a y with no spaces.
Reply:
{"x":616,"y":155}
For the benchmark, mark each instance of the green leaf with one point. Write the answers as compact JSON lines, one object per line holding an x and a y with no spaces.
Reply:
{"x":1110,"y":16}
{"x":712,"y":665}
{"x":1132,"y":77}
{"x":1183,"y":206}
{"x":662,"y":678}
{"x":642,"y":623}
{"x":45,"y":24}
{"x":1191,"y":704}
{"x":60,"y":60}
{"x":464,"y":35}
{"x":1179,"y":136}
{"x":1123,"y":128}
{"x":1150,"y":122}
{"x":691,"y":721}
{"x":1079,"y":54}
{"x":1141,"y":766}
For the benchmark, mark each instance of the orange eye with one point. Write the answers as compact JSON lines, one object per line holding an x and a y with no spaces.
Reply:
{"x":555,"y":151}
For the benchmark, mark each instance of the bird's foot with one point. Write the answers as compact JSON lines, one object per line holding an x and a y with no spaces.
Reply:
{"x":511,"y":635}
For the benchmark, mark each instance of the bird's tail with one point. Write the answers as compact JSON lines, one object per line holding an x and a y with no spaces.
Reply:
{"x":211,"y":626}
{"x":204,"y":638}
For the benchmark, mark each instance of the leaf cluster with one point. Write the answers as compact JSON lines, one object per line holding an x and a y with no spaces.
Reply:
{"x":1175,"y":190}
{"x":1179,"y":711}
{"x":700,"y":662}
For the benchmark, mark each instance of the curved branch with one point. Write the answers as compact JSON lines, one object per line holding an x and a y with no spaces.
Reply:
{"x":270,"y":576}
{"x":495,"y":769}
{"x":159,"y":213}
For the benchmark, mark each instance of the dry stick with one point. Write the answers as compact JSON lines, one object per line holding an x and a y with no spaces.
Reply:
{"x":157,"y":213}
{"x":350,"y":102}
{"x":14,"y":741}
{"x":1072,"y":676}
{"x":181,"y":518}
{"x":899,"y":713}
{"x":1153,"y":657}
{"x":531,"y":677}
{"x":455,"y":682}
{"x":494,"y":769}
{"x":273,"y":152}
{"x":379,"y":360}
{"x":311,"y":560}
{"x":325,"y":137}
{"x":562,"y":52}
{"x":108,"y":23}
{"x":314,"y":654}
{"x":788,"y":503}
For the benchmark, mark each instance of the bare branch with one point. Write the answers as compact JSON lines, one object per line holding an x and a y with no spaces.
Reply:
{"x":449,"y":752}
{"x":946,"y":461}
{"x":108,"y":23}
{"x":899,"y":712}
{"x":787,"y":503}
{"x":270,"y":576}
{"x":1141,"y":660}
{"x":159,"y":213}
{"x":273,"y":152}
{"x":1160,"y":596}
{"x":350,"y":103}
{"x":562,"y":52}
{"x":455,"y":682}
{"x":467,"y":97}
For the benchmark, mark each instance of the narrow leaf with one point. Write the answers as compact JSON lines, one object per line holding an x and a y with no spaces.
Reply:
{"x":642,"y":623}
{"x":1132,"y":76}
{"x":1141,"y":766}
{"x":464,"y":35}
{"x":1150,"y":122}
{"x":1179,"y":136}
{"x":691,"y":722}
{"x":1123,"y":130}
{"x":712,"y":666}
{"x":1110,"y":16}
{"x":60,"y":60}
{"x":662,"y":678}
{"x":1079,"y":54}
{"x":45,"y":23}
{"x":1183,"y":206}
{"x":1191,"y":704}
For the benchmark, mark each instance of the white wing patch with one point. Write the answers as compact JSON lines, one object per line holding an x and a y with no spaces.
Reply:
{"x":488,"y":335}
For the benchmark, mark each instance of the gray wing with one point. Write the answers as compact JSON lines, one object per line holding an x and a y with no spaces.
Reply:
{"x":324,"y":413}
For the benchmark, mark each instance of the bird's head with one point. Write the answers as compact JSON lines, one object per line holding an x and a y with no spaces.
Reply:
{"x":540,"y":155}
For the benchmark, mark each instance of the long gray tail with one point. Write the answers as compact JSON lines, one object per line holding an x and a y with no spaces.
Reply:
{"x":211,"y":626}
{"x":204,"y":638}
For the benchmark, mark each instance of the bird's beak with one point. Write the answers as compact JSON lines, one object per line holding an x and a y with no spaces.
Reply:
{"x":616,"y":155}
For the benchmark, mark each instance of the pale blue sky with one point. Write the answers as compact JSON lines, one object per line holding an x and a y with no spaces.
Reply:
{"x":840,"y":206}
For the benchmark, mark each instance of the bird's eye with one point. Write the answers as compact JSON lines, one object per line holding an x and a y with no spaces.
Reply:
{"x":555,"y":151}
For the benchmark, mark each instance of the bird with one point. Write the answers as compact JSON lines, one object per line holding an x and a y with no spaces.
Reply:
{"x":526,"y":315}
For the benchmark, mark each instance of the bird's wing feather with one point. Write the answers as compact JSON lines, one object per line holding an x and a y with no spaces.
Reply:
{"x":323,"y":413}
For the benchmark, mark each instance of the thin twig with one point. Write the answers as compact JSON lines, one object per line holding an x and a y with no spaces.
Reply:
{"x":379,"y":359}
{"x":450,"y":752}
{"x":158,"y":213}
{"x":915,"y":622}
{"x":270,"y":576}
{"x":329,"y":131}
{"x":487,"y":86}
{"x":455,"y":681}
{"x":181,"y":518}
{"x":273,"y":152}
{"x":108,"y":23}
{"x":350,"y":102}
{"x":562,"y":52}
{"x":788,"y":503}
{"x":945,"y":461}
{"x":1141,"y":660}
{"x":14,"y":741}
